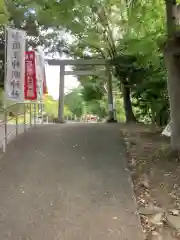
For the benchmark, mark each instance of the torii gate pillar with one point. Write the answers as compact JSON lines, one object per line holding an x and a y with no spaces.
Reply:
{"x":63,"y":63}
{"x":61,"y":95}
{"x":111,"y":110}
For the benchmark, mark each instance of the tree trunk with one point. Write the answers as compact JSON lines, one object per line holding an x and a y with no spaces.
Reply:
{"x":172,"y":57}
{"x":172,"y":65}
{"x":170,"y":17}
{"x":153,"y":118}
{"x":128,"y":104}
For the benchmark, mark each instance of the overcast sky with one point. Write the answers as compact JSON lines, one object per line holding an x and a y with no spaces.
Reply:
{"x":52,"y":78}
{"x":52,"y":72}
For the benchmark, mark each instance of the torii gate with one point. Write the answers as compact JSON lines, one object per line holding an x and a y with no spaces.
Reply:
{"x":93,"y":62}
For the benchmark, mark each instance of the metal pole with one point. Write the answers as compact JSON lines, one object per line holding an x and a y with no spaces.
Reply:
{"x":16,"y":124}
{"x":41,"y":112}
{"x":24,"y":117}
{"x":61,"y":95}
{"x":5,"y":61}
{"x":38,"y":112}
{"x":5,"y":131}
{"x":110,"y":96}
{"x":34,"y":113}
{"x":30,"y":114}
{"x":5,"y":76}
{"x":114,"y":107}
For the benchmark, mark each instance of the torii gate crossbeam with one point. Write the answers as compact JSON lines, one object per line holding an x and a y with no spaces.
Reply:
{"x":76,"y":62}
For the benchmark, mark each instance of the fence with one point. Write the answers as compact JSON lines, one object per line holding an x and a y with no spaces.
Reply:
{"x":18,"y":118}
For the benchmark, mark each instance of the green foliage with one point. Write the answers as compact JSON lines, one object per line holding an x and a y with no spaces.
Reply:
{"x":24,"y":15}
{"x":3,"y":13}
{"x":129,"y":35}
{"x":151,"y":97}
{"x":74,"y":102}
{"x":120,"y":114}
{"x":51,"y":107}
{"x":91,"y":92}
{"x":97,"y":108}
{"x":78,"y":106}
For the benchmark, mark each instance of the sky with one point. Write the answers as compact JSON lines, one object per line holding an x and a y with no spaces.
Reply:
{"x":53,"y":72}
{"x":52,"y":78}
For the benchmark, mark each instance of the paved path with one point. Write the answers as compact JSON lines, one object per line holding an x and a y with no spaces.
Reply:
{"x":67,"y":182}
{"x":11,"y":131}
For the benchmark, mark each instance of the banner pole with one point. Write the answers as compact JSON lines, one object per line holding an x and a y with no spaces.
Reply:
{"x":5,"y":63}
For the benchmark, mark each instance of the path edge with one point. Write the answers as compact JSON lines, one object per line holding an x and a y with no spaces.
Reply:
{"x":130,"y":180}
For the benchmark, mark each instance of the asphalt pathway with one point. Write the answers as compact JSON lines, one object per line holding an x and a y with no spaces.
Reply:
{"x":67,"y":182}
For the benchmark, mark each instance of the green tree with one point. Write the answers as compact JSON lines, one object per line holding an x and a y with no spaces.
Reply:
{"x":22,"y":15}
{"x":3,"y":12}
{"x":170,"y":15}
{"x":51,"y":107}
{"x":92,"y":25}
{"x":74,"y":102}
{"x":129,"y":36}
{"x":96,"y":107}
{"x":172,"y":53}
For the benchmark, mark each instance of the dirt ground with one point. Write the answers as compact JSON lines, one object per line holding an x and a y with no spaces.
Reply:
{"x":155,"y":173}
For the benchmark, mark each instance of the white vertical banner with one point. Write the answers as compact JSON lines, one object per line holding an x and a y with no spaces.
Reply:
{"x":14,"y":79}
{"x":39,"y":75}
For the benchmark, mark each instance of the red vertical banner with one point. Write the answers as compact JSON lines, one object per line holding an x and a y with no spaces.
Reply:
{"x":30,"y":85}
